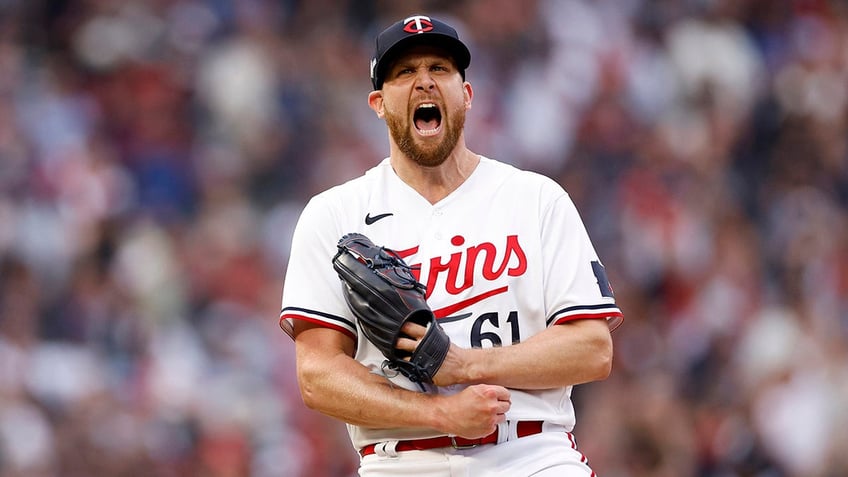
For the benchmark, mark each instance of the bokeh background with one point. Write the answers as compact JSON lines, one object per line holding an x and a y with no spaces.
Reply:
{"x":154,"y":156}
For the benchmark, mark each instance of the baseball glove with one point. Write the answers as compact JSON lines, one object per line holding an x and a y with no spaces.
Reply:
{"x":383,"y":295}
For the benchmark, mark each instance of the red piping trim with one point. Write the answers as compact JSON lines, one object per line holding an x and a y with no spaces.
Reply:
{"x":325,"y":324}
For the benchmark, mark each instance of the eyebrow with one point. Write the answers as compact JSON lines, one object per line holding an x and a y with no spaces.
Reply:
{"x":434,"y":61}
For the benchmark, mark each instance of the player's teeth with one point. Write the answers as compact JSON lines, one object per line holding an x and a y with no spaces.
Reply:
{"x":427,"y":122}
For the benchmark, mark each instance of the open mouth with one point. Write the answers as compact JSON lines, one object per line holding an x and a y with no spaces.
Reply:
{"x":427,"y":119}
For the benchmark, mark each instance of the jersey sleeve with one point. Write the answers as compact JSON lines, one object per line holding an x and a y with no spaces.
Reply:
{"x":576,"y":283}
{"x":311,"y":289}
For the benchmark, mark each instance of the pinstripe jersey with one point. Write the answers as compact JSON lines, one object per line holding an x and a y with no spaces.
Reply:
{"x":504,"y":256}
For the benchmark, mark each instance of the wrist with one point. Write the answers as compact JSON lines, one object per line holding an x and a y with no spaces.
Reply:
{"x":475,"y":367}
{"x":437,"y":416}
{"x":458,"y":368}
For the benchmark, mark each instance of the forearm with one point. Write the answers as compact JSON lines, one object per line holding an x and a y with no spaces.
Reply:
{"x":333,"y":383}
{"x":562,"y":355}
{"x":344,"y":389}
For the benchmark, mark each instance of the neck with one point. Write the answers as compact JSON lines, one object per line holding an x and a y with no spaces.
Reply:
{"x":436,"y":183}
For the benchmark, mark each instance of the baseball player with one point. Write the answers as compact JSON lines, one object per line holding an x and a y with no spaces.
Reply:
{"x":510,"y":274}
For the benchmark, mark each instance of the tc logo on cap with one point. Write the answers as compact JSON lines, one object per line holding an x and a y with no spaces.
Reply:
{"x":417,"y":24}
{"x":416,"y":30}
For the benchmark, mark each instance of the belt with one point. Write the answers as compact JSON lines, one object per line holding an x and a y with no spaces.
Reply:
{"x":523,"y":429}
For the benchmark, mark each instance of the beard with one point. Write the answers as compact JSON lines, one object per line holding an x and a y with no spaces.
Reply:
{"x":427,"y":155}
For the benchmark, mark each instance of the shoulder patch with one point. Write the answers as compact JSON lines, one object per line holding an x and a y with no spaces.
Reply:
{"x":603,"y":282}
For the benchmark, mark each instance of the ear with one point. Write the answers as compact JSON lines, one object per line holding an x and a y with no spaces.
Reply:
{"x":468,"y":92}
{"x":375,"y":102}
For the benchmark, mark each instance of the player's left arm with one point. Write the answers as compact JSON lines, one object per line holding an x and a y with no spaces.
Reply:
{"x":572,"y":349}
{"x":570,"y":353}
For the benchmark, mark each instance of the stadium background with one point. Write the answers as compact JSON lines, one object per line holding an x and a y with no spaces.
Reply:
{"x":154,"y":156}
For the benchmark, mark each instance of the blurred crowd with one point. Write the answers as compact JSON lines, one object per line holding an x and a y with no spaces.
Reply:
{"x":155,"y":155}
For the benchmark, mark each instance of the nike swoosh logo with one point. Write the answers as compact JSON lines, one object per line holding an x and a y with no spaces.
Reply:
{"x":370,"y":220}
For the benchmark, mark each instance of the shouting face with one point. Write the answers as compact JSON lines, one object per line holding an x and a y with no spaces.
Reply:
{"x":424,"y":100}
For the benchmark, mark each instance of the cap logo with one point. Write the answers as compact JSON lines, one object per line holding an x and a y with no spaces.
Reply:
{"x":417,"y":24}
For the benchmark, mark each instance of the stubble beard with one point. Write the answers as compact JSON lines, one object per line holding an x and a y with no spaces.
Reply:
{"x":427,"y":155}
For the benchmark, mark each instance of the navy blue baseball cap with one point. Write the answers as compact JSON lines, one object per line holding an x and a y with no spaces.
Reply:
{"x":416,"y":30}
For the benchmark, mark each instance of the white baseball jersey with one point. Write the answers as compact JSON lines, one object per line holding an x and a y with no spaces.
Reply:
{"x":503,"y":257}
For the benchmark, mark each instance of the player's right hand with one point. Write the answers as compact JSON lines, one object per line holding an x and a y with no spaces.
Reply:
{"x":475,"y":411}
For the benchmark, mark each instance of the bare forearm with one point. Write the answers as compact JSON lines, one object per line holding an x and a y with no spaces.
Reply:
{"x":346,"y":390}
{"x":563,"y":355}
{"x":334,"y":384}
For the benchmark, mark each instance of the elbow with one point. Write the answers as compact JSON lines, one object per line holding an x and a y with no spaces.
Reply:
{"x":309,"y":397}
{"x":308,"y":384}
{"x":603,"y":354}
{"x":604,"y":366}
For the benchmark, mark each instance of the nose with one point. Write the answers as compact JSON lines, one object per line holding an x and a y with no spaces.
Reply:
{"x":424,"y":81}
